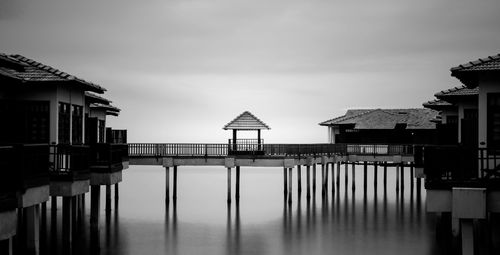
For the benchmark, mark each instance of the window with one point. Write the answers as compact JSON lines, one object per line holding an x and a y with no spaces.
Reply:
{"x":77,"y":122}
{"x":493,"y":122}
{"x":64,"y":122}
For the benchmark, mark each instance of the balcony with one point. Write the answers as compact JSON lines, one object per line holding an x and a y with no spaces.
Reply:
{"x":458,"y":166}
{"x":246,"y":147}
{"x":107,"y":158}
{"x":69,"y":162}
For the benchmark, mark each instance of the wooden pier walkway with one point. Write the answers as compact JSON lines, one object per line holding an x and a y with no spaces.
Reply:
{"x":286,"y":156}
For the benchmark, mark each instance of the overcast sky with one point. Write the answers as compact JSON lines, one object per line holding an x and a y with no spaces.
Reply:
{"x":180,"y":70}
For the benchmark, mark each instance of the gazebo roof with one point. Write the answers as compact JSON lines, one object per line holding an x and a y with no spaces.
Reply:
{"x":246,"y":121}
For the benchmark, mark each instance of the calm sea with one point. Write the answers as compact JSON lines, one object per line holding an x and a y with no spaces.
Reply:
{"x":378,"y":221}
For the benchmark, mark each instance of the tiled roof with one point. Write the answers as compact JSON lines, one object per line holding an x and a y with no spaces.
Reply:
{"x":93,"y":98}
{"x":458,"y":91}
{"x":490,"y":63}
{"x":246,"y":121}
{"x":437,"y":104}
{"x":106,"y":107}
{"x":386,"y":118}
{"x":29,"y":70}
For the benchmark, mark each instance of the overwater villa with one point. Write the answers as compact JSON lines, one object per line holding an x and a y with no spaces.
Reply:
{"x":54,"y":145}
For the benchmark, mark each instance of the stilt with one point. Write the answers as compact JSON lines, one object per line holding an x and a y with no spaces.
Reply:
{"x":67,"y":228}
{"x":284,"y":182}
{"x":308,"y":179}
{"x":167,"y":185}
{"x":237,"y":183}
{"x":108,"y":198}
{"x":346,"y":174}
{"x":299,"y":180}
{"x":397,"y":178}
{"x":117,"y":193}
{"x":74,"y":216}
{"x":43,"y":227}
{"x":290,"y":181}
{"x":53,"y":224}
{"x":228,"y":185}
{"x":385,"y":175}
{"x":365,"y":173}
{"x":95,"y":195}
{"x":375,"y":175}
{"x":338,"y":175}
{"x":333,"y":179}
{"x":455,"y":232}
{"x":411,"y":176}
{"x":419,"y":185}
{"x":323,"y":180}
{"x":314,"y":179}
{"x":174,"y":197}
{"x":402,"y":176}
{"x":353,"y":176}
{"x":467,"y":237}
{"x":6,"y":246}
{"x":326,"y":178}
{"x":33,"y":229}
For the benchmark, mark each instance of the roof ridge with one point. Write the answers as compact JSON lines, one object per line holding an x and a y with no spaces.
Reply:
{"x":53,"y":70}
{"x":251,"y":115}
{"x":476,"y":62}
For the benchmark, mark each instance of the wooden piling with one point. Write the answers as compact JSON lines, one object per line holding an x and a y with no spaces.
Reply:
{"x":32,"y":217}
{"x":346,"y":174}
{"x":365,"y":174}
{"x":375,"y":175}
{"x":338,"y":174}
{"x":411,"y":176}
{"x":323,"y":180}
{"x":74,"y":216}
{"x":353,"y":176}
{"x":308,"y":180}
{"x":67,"y":232}
{"x":174,"y":197}
{"x":167,"y":185}
{"x":117,"y":193}
{"x":314,"y":179}
{"x":397,"y":178}
{"x":95,"y":195}
{"x":290,"y":181}
{"x":402,"y":176}
{"x":333,"y":179}
{"x":108,"y":198}
{"x":228,"y":185}
{"x":326,"y":177}
{"x":299,"y":180}
{"x":285,"y":188}
{"x":385,"y":175}
{"x":237,"y":183}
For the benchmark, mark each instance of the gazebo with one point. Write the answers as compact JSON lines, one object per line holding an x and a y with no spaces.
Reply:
{"x":246,"y":122}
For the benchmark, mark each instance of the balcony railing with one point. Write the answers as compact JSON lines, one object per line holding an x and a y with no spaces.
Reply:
{"x":453,"y":166}
{"x":107,"y":157}
{"x":69,"y":162}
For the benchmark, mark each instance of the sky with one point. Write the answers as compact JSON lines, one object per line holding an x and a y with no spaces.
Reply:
{"x":181,"y":69}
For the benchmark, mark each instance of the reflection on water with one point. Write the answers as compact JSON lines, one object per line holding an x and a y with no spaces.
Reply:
{"x":377,"y":219}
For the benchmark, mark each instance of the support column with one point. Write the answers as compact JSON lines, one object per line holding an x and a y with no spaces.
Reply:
{"x":167,"y":185}
{"x":228,"y":185}
{"x":67,"y":228}
{"x":95,"y":196}
{"x":285,"y":188}
{"x":411,"y":176}
{"x":333,"y":179}
{"x":338,"y":175}
{"x":33,"y":229}
{"x":174,"y":197}
{"x":290,"y":181}
{"x":74,"y":216}
{"x":299,"y":180}
{"x":314,"y":179}
{"x":346,"y":174}
{"x":326,"y":178}
{"x":365,"y":174}
{"x":308,"y":172}
{"x":385,"y":175}
{"x":108,"y":198}
{"x":238,"y":183}
{"x":397,"y":178}
{"x":467,"y":237}
{"x":117,"y":193}
{"x":322,"y":180}
{"x":53,"y":223}
{"x":402,"y":176}
{"x":375,"y":175}
{"x":353,"y":176}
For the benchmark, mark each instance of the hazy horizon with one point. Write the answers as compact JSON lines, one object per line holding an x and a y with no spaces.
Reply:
{"x":181,"y":70}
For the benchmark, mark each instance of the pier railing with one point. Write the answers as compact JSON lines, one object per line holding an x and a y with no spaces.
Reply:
{"x":69,"y":162}
{"x":295,"y":150}
{"x":108,"y":157}
{"x":447,"y":166}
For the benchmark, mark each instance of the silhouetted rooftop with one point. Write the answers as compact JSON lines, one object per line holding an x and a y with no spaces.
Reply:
{"x":246,"y":121}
